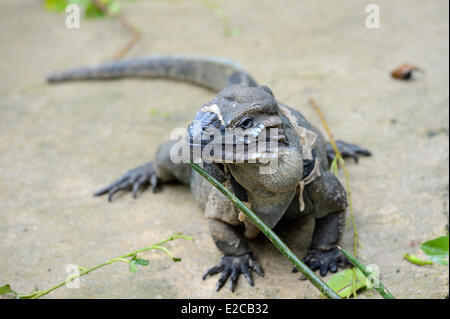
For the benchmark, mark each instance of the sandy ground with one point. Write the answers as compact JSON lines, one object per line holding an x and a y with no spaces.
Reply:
{"x":60,"y":143}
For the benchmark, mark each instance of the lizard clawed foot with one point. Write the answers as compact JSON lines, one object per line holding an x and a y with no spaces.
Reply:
{"x":234,"y":266}
{"x":325,"y":260}
{"x":346,"y":150}
{"x":134,"y":179}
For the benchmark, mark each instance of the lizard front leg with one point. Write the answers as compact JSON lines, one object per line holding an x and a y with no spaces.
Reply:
{"x":227,"y":233}
{"x":330,"y":203}
{"x":323,"y":253}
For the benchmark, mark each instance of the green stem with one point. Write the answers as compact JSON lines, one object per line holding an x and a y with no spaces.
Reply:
{"x":308,"y":273}
{"x":382,"y":290}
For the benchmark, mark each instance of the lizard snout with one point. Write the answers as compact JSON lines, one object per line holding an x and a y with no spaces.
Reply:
{"x":205,"y":129}
{"x":205,"y":125}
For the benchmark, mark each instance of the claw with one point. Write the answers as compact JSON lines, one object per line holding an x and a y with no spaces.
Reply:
{"x":323,"y":269}
{"x":248,"y":276}
{"x":347,"y":150}
{"x":125,"y":184}
{"x":137,"y":184}
{"x":112,"y":191}
{"x":333,"y":267}
{"x":234,"y":278}
{"x":315,"y":265}
{"x":325,"y":260}
{"x":343,"y":261}
{"x":223,"y":279}
{"x":154,"y":182}
{"x":106,"y":189}
{"x":257,"y":268}
{"x":133,"y":179}
{"x":233,"y":266}
{"x":352,"y":155}
{"x":212,"y":271}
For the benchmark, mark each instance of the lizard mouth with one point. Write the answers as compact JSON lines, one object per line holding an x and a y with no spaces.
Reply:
{"x":229,"y":145}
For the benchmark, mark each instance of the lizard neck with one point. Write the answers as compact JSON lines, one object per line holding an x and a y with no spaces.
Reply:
{"x":270,"y":190}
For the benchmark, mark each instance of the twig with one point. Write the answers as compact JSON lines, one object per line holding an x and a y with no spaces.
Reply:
{"x":136,"y":33}
{"x":136,"y":36}
{"x":341,"y":163}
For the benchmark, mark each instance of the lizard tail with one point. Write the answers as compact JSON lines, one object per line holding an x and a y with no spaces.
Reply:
{"x":210,"y":72}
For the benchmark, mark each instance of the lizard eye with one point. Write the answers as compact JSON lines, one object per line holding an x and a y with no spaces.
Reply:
{"x":246,"y":123}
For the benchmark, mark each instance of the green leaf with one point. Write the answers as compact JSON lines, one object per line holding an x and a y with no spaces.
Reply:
{"x":334,"y":166}
{"x":343,"y":280}
{"x":82,"y":269}
{"x":133,"y":267}
{"x":92,"y":11}
{"x":114,"y":8}
{"x":369,"y":272}
{"x":437,"y":249}
{"x":55,"y":5}
{"x":6,"y":289}
{"x":142,"y":262}
{"x":416,"y":260}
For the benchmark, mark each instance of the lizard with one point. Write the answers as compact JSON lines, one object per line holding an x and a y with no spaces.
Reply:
{"x":301,"y":183}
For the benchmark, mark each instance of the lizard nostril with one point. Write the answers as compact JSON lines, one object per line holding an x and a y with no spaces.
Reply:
{"x":206,"y":119}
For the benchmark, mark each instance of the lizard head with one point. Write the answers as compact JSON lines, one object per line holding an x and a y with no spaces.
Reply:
{"x":241,"y":124}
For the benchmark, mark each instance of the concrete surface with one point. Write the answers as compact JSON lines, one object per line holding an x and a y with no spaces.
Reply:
{"x":60,"y":143}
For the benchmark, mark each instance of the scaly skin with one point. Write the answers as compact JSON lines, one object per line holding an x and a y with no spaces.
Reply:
{"x":301,"y":183}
